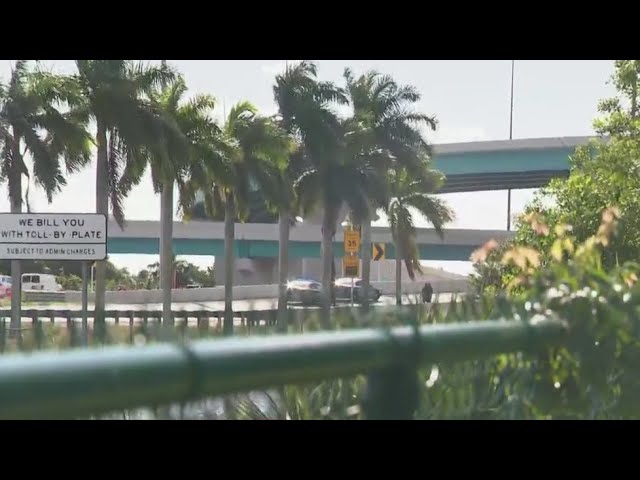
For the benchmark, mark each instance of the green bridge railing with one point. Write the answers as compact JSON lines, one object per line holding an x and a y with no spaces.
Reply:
{"x":85,"y":382}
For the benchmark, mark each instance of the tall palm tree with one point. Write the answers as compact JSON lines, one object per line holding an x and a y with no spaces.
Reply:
{"x":409,"y":194}
{"x":387,"y":109}
{"x":189,"y":127}
{"x":256,"y":148}
{"x":355,"y":177}
{"x":37,"y":118}
{"x":114,"y":93}
{"x":305,"y":112}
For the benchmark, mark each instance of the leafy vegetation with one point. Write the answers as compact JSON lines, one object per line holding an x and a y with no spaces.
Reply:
{"x":602,"y":174}
{"x":575,"y":254}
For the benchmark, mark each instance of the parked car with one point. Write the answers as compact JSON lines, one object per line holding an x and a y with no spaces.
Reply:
{"x":305,"y":291}
{"x":343,"y":290}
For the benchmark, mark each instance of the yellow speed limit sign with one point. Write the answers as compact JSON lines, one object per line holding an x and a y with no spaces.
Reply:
{"x":351,"y":241}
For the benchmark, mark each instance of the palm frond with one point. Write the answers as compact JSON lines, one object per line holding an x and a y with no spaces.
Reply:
{"x":116,"y":160}
{"x":132,"y":162}
{"x":146,"y":77}
{"x":200,"y":105}
{"x":433,"y":209}
{"x":308,"y":190}
{"x":46,"y":165}
{"x":66,"y":137}
{"x":51,"y":89}
{"x":330,"y":93}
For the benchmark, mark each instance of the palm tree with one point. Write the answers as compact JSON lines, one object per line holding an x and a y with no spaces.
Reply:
{"x":386,"y":108}
{"x":355,"y":177}
{"x":36,"y":119}
{"x":305,"y":112}
{"x":114,"y":97}
{"x":256,"y":149}
{"x":190,"y":127}
{"x":410,"y":194}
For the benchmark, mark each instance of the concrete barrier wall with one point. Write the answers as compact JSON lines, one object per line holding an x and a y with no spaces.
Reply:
{"x":194,"y":295}
{"x":439,"y":286}
{"x":249,"y":292}
{"x":44,"y":296}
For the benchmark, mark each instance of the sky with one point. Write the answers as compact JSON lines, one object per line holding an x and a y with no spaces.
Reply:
{"x":470,"y":99}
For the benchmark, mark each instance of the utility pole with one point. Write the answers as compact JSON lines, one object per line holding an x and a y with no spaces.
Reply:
{"x":513,"y":64}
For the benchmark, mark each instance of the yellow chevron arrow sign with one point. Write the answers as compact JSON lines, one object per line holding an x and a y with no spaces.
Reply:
{"x":377,"y":252}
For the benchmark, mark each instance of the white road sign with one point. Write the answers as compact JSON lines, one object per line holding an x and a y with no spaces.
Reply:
{"x":53,"y":236}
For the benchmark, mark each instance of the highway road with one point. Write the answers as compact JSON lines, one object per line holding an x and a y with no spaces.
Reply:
{"x":238,"y":305}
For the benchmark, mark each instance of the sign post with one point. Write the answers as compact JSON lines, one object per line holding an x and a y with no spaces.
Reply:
{"x":53,"y":236}
{"x":351,"y":260}
{"x":85,"y":301}
{"x":352,"y":292}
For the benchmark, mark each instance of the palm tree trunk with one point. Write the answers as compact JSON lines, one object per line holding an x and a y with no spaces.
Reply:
{"x":102,"y":206}
{"x":398,"y":275}
{"x":328,"y":232}
{"x":229,"y":263}
{"x":366,"y":261}
{"x":166,"y":250}
{"x":15,"y":197}
{"x":229,"y":267}
{"x":283,"y":269}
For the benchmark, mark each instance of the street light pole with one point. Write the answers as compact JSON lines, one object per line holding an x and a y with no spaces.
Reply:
{"x":513,"y":64}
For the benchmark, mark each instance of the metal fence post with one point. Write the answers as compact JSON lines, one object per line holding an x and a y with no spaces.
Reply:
{"x":3,"y":334}
{"x":392,"y":393}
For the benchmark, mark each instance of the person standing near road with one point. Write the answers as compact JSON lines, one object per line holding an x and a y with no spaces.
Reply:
{"x":427,"y":293}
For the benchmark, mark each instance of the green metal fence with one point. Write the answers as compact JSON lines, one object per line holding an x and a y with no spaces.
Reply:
{"x":52,"y":328}
{"x":84,"y":382}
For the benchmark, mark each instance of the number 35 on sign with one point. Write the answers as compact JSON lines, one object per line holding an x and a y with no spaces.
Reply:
{"x":351,"y":241}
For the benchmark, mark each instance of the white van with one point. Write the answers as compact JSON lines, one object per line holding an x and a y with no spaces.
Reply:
{"x":40,"y":281}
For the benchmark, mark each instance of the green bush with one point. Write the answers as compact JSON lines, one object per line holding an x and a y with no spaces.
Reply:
{"x":70,"y":282}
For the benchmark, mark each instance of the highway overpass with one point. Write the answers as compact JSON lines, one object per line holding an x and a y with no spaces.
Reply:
{"x":504,"y":164}
{"x":472,"y":166}
{"x":260,"y":240}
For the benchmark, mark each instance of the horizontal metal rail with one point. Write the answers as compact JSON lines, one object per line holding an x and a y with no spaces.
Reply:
{"x":85,"y":382}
